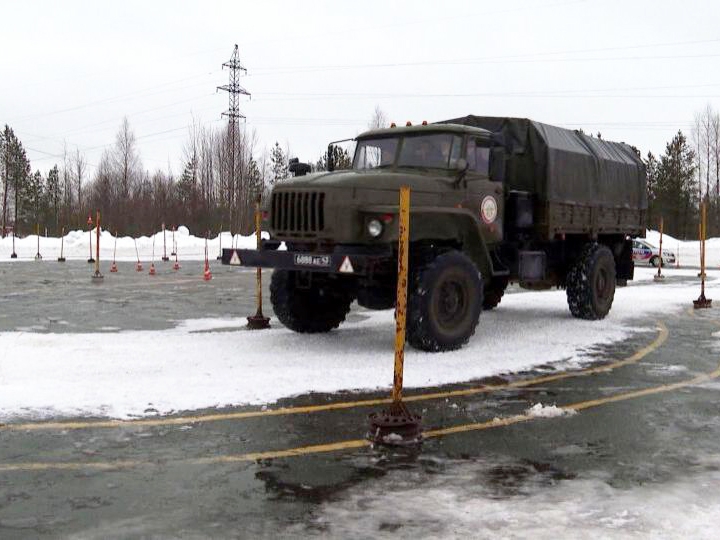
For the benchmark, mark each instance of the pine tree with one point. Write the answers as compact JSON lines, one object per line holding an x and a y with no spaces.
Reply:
{"x":255,"y":180}
{"x":278,"y":164}
{"x":54,"y":197}
{"x":676,"y":190}
{"x":651,"y":167}
{"x":32,"y":200}
{"x":15,"y":171}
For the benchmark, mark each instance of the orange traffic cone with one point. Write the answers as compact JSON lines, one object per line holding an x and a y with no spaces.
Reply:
{"x":152,"y":269}
{"x":113,"y":267}
{"x":139,"y":266}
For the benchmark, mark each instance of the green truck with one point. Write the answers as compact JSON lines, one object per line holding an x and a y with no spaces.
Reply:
{"x":493,"y":201}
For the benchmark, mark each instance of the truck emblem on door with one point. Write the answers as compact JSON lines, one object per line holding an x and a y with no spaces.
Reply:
{"x":488,"y":209}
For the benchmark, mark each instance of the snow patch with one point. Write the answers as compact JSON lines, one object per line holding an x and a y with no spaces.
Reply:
{"x":548,"y":411}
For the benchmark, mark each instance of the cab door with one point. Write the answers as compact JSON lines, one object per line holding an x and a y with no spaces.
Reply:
{"x":484,"y":196}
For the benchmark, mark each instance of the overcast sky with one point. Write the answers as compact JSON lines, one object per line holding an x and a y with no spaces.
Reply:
{"x":635,"y":70}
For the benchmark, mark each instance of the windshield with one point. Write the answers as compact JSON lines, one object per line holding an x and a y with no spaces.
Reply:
{"x":434,"y":150}
{"x":374,"y":153}
{"x":437,"y":151}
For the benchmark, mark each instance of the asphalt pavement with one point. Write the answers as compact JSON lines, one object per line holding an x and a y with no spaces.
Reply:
{"x":641,"y":414}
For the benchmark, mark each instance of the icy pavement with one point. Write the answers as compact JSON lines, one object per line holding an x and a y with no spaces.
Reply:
{"x":188,"y":360}
{"x":491,"y":500}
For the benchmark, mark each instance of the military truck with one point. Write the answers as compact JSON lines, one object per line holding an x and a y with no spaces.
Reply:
{"x":493,"y":201}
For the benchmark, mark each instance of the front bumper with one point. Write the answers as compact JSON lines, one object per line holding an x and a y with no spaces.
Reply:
{"x":343,"y":260}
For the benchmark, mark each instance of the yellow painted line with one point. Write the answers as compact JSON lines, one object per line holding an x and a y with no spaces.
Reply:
{"x":71,"y":466}
{"x":310,"y":409}
{"x":359,"y":443}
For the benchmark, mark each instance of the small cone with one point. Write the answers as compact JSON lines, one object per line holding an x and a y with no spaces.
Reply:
{"x":139,"y":266}
{"x":113,"y":268}
{"x":176,"y":265}
{"x":207,"y":275}
{"x":152,"y":269}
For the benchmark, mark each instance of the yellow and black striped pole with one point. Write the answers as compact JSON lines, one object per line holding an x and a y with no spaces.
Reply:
{"x":258,"y":321}
{"x":97,"y":274}
{"x":702,"y":302}
{"x":401,"y":301}
{"x":659,"y":276}
{"x":397,"y":426}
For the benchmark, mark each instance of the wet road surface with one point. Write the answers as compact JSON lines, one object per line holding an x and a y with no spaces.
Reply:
{"x":227,"y":476}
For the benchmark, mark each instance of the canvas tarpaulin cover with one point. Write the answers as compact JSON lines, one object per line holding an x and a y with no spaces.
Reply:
{"x":562,"y":165}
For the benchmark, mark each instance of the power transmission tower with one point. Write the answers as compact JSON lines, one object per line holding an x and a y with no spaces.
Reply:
{"x":234,"y":91}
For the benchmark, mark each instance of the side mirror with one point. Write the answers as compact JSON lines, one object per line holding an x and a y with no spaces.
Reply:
{"x":497,"y":164}
{"x":330,"y":155}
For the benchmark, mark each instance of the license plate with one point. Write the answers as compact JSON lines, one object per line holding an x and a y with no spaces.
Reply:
{"x":312,"y":260}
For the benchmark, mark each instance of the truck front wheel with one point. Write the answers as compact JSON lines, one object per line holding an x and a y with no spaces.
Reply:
{"x":444,"y":304}
{"x":591,"y":283}
{"x":318,"y":307}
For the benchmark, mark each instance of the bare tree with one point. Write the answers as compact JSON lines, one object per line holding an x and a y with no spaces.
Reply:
{"x":79,"y":165}
{"x":379,"y":119}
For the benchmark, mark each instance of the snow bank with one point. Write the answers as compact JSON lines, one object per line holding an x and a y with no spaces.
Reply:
{"x":214,"y":362}
{"x":76,"y":245}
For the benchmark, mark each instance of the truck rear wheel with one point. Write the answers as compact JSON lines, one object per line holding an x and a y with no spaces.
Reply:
{"x":494,"y":292}
{"x":591,"y":283}
{"x":320,"y":307}
{"x":444,"y":303}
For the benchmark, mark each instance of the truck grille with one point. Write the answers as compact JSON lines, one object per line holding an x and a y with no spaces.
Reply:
{"x":298,"y":213}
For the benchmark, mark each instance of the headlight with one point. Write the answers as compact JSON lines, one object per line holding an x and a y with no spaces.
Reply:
{"x":374,"y":228}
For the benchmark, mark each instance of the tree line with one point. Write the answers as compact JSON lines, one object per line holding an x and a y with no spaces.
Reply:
{"x":217,"y":187}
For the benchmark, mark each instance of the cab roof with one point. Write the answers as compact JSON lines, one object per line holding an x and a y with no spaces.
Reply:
{"x":429,"y":128}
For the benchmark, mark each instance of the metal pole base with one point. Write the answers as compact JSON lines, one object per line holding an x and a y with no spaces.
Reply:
{"x":258,"y":322}
{"x":219,"y":257}
{"x":395,"y":426}
{"x":173,"y":254}
{"x":165,"y":259}
{"x":61,"y":259}
{"x":38,"y":257}
{"x":701,"y":275}
{"x":91,"y":260}
{"x":97,"y":276}
{"x":14,"y":255}
{"x":658,"y":277}
{"x":702,"y":302}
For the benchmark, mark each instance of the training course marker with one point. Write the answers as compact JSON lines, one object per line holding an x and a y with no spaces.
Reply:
{"x":173,"y":253}
{"x":89,"y":222}
{"x":397,"y":426}
{"x":165,"y":258}
{"x":258,"y":321}
{"x":113,"y":267}
{"x":659,"y":276}
{"x":152,"y":260}
{"x":702,"y":302}
{"x":138,"y":266}
{"x":13,"y":255}
{"x":38,"y":257}
{"x":97,"y":276}
{"x":61,"y":258}
{"x":219,"y":257}
{"x":207,"y":275}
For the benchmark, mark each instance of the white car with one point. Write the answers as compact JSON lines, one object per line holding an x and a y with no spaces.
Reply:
{"x":646,"y":253}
